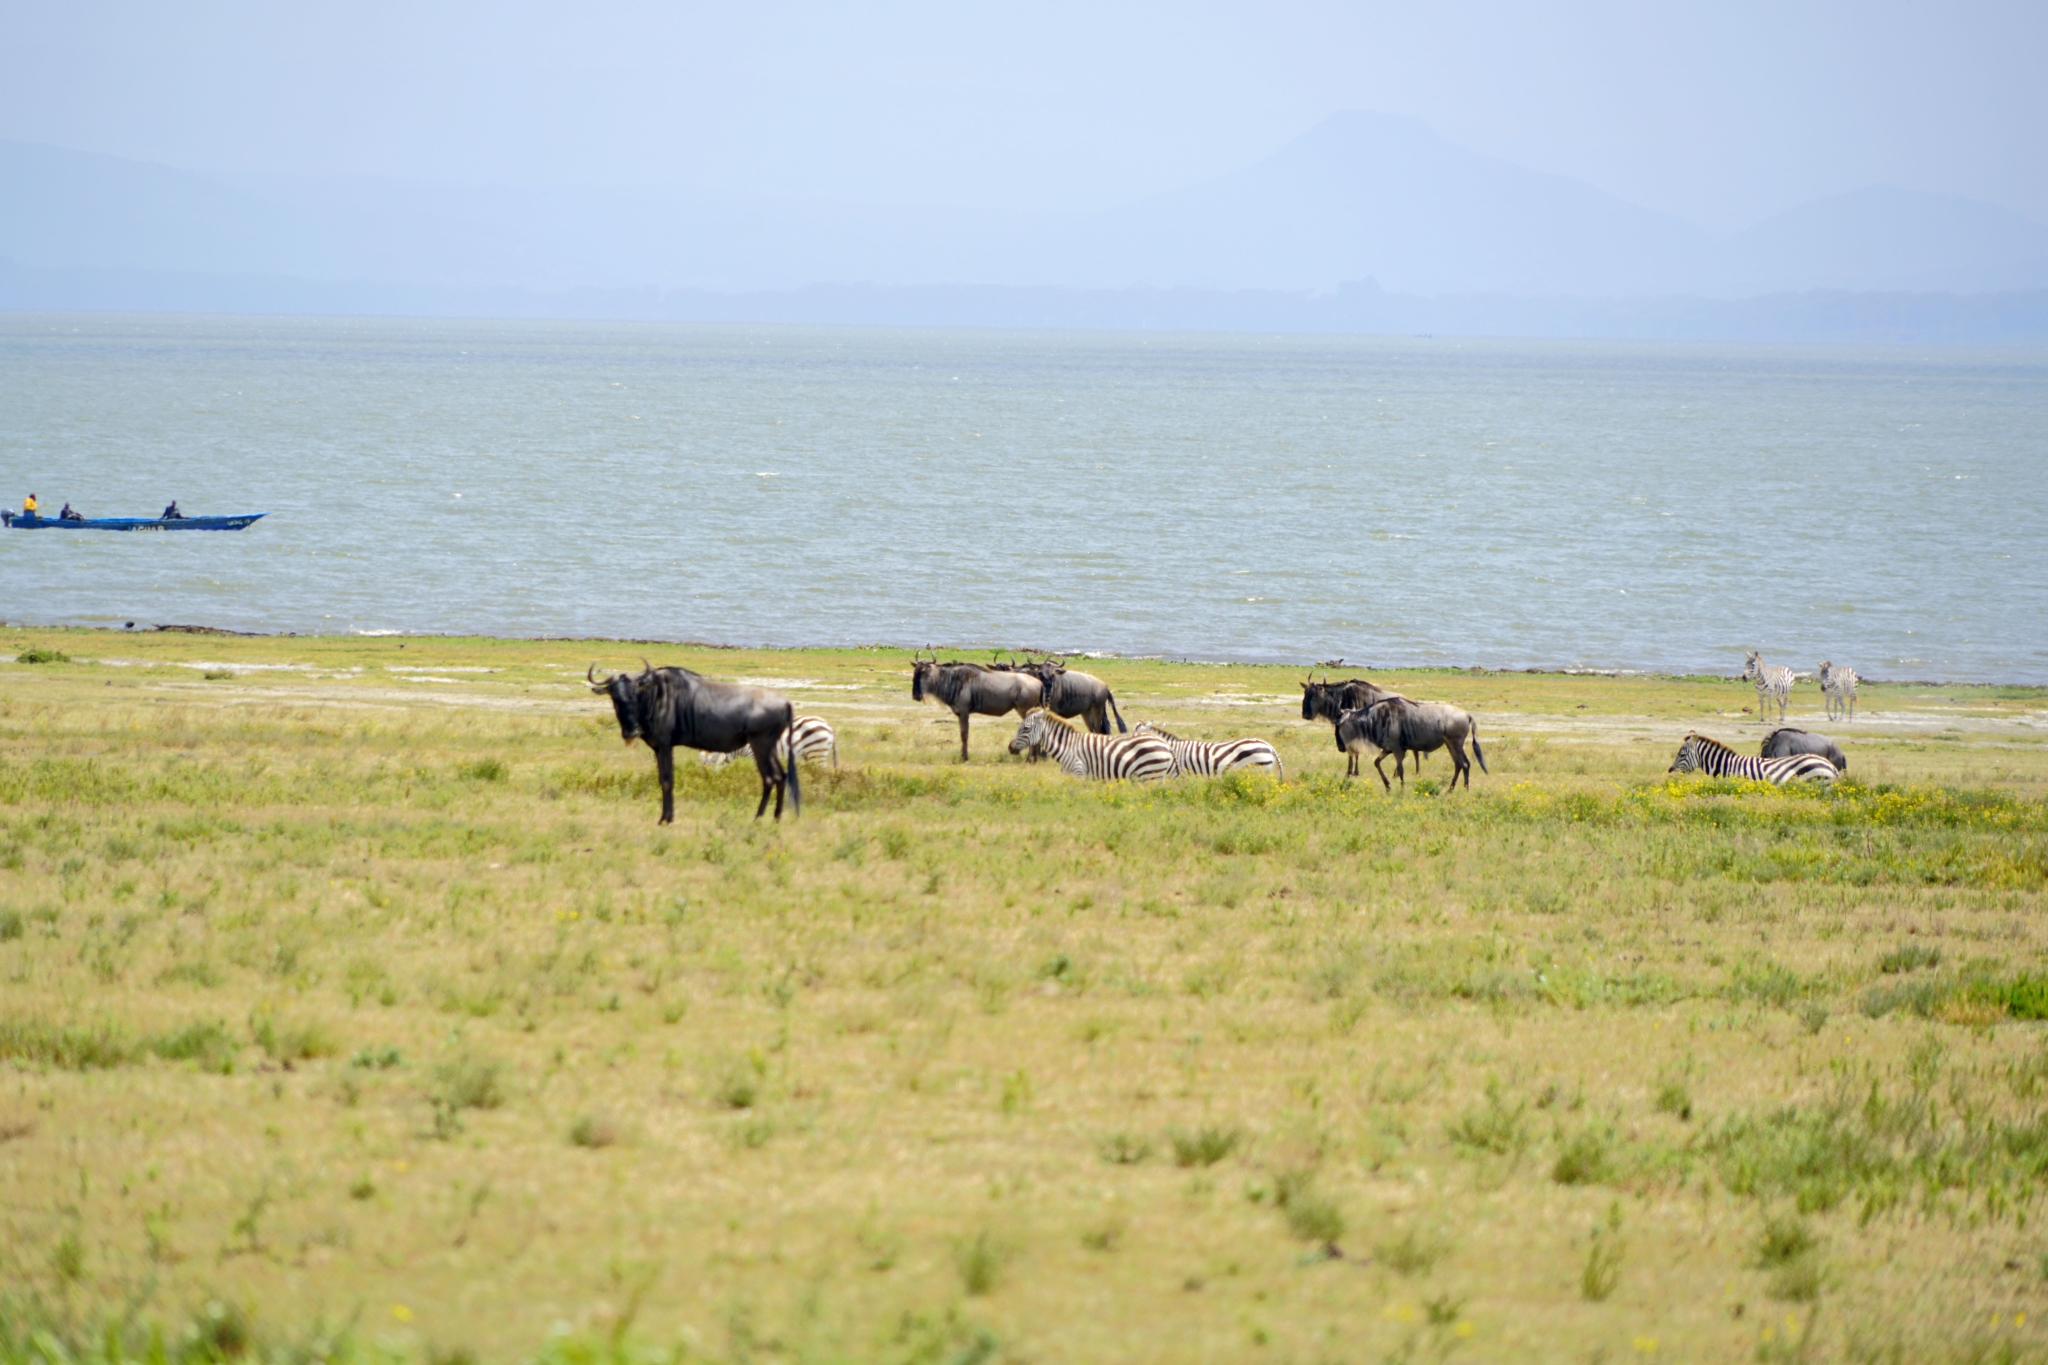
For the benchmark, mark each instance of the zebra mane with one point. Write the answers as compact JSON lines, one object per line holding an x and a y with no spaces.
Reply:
{"x":1707,"y":742}
{"x":1149,"y":728}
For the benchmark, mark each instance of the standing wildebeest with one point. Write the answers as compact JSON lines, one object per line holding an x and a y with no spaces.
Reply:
{"x":1773,"y":684}
{"x":671,"y":706}
{"x":1329,"y":701}
{"x":1702,"y":754}
{"x":1838,"y":689}
{"x":1785,"y":741}
{"x":1401,"y":727}
{"x":972,"y":690}
{"x":1071,"y":693}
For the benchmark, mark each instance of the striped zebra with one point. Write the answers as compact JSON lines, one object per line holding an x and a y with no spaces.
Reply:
{"x":1838,"y":687}
{"x":1773,"y":683}
{"x":1136,"y":758}
{"x":1699,"y":754}
{"x":1201,"y":758}
{"x":810,"y":737}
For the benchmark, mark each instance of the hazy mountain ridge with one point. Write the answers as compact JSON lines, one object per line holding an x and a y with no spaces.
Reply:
{"x":1452,"y":236}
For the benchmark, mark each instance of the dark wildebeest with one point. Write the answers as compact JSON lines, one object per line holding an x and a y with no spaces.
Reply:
{"x":1071,"y":693}
{"x":1788,"y":740}
{"x":1400,"y":727}
{"x":972,"y":690}
{"x":671,"y":706}
{"x":1329,"y":701}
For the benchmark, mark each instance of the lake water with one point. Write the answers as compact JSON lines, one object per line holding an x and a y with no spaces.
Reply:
{"x":1390,"y":501}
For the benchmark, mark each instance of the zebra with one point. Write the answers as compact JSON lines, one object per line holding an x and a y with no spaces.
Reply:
{"x":810,"y":738}
{"x":1194,"y":757}
{"x":1700,"y":754}
{"x":1136,"y":758}
{"x":1772,"y":684}
{"x":1838,"y":688}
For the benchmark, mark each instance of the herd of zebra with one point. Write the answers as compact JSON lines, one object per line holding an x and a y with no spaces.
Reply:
{"x":1774,"y":684}
{"x":675,"y":707}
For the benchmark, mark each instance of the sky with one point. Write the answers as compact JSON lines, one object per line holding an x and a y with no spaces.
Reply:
{"x":1722,"y":113}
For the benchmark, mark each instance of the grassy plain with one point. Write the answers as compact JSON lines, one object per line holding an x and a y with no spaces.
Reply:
{"x":353,"y":1005}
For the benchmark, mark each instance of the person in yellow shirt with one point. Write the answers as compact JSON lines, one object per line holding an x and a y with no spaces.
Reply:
{"x":28,"y":505}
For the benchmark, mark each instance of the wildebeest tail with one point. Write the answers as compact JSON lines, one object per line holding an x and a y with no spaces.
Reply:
{"x":790,"y":782}
{"x":1478,"y":752}
{"x":1110,"y":697}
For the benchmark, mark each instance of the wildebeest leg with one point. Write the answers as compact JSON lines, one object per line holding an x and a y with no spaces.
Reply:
{"x":963,"y":736}
{"x":1098,"y":718}
{"x":665,"y":768}
{"x":771,"y":781}
{"x":1459,"y":764}
{"x":1376,"y":767}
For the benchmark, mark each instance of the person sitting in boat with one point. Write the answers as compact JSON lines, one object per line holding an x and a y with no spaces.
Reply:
{"x":28,"y":505}
{"x":68,"y":515}
{"x":172,"y":513}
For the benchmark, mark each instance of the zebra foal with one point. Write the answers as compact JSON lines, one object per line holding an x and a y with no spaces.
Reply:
{"x":810,"y":738}
{"x":1135,"y":758}
{"x":1203,"y":758}
{"x":1773,"y":684}
{"x":1838,"y":688}
{"x":1700,"y":754}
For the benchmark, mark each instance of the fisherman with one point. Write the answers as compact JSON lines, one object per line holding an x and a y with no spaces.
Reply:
{"x":68,"y":515}
{"x":28,"y":505}
{"x":172,"y":513}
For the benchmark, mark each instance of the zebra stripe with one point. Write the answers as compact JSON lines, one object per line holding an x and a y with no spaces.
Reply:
{"x":1699,"y":754}
{"x":1203,"y":758}
{"x":1838,"y":687}
{"x":1135,"y":758}
{"x":1773,"y":683}
{"x":810,"y":737}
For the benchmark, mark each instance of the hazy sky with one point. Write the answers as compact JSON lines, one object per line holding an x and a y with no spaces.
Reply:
{"x":1721,"y":112}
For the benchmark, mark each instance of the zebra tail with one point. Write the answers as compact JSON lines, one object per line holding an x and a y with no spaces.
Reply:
{"x":790,"y":782}
{"x":1110,"y":697}
{"x":1478,"y":752}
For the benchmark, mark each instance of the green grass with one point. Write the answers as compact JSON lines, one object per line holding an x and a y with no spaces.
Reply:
{"x":372,"y":997}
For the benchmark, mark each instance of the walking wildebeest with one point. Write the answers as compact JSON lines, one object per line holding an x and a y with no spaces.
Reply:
{"x":1070,"y":693}
{"x":972,"y":690}
{"x":1329,"y":701}
{"x":1787,"y":740}
{"x":1400,"y":727}
{"x":671,"y":706}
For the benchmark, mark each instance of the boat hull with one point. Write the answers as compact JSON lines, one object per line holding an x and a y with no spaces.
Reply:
{"x":21,"y":522}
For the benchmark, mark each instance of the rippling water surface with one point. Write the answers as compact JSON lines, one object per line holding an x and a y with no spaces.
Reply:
{"x":1390,"y":501}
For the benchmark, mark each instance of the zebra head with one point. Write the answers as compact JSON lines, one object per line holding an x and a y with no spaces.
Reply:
{"x":1688,"y":759}
{"x":1030,"y":736}
{"x":625,"y":695}
{"x":1824,"y":667}
{"x":1752,"y":667}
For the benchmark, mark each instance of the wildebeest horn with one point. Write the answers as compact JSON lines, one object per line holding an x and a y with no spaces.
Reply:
{"x":590,"y":676}
{"x":644,"y":661}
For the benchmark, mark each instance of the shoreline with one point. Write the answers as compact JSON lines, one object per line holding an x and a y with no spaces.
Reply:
{"x":1075,"y":659}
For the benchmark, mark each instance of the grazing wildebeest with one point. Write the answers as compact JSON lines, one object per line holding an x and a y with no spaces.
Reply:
{"x":672,"y":706}
{"x":810,"y":739}
{"x":1701,"y":754}
{"x":1071,"y":693}
{"x":1786,"y":741}
{"x":1400,"y":727}
{"x":1136,"y":758}
{"x":1205,"y":758}
{"x":1838,"y":689}
{"x":1329,"y":701}
{"x":972,"y":690}
{"x":1773,"y":684}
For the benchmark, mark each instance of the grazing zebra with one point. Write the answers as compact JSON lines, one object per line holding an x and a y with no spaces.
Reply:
{"x":1772,"y":684}
{"x":1080,"y":754}
{"x":1838,"y":687}
{"x":1699,"y":754}
{"x":810,"y":737}
{"x":1199,"y":758}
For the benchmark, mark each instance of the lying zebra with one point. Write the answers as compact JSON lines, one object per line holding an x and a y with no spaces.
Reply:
{"x":1135,"y":758}
{"x":1838,"y":689}
{"x":1201,"y":758}
{"x":1699,"y":754}
{"x":1773,"y":684}
{"x":810,"y":737}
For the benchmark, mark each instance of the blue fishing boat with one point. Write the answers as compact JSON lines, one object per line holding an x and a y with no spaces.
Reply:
{"x":29,"y":521}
